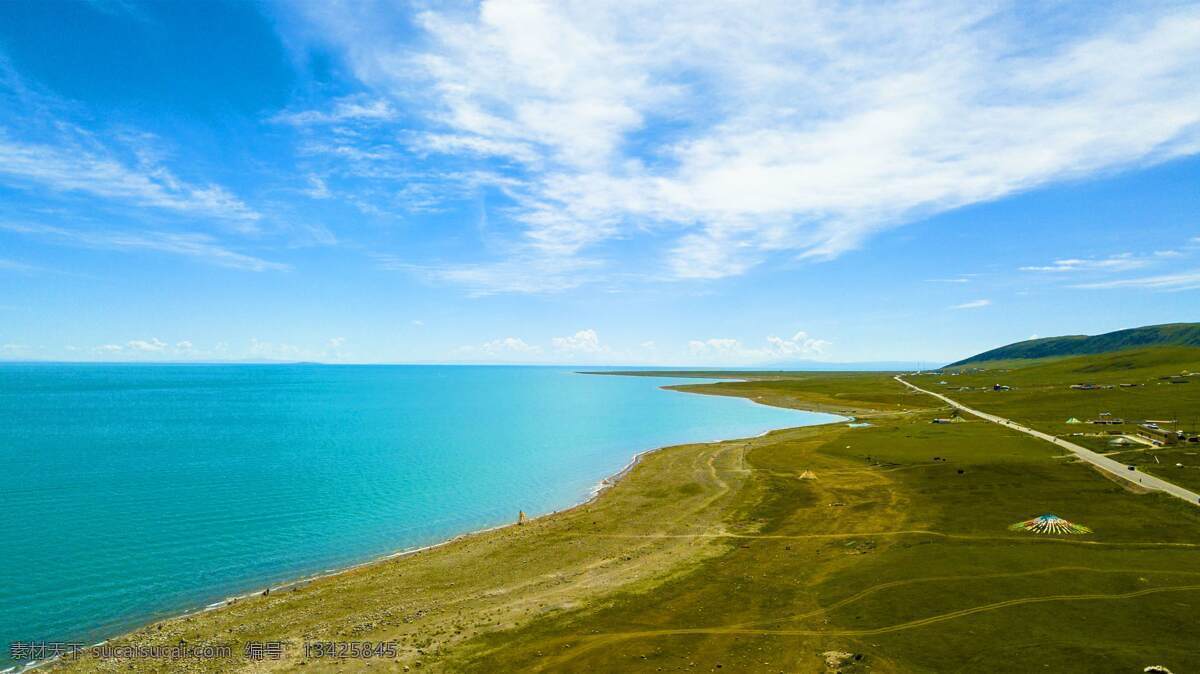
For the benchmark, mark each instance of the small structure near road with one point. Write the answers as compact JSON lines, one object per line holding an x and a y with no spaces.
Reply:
{"x":1156,"y":435}
{"x":1050,"y":524}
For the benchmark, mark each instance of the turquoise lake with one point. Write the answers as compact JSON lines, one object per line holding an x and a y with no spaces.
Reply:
{"x":133,"y":492}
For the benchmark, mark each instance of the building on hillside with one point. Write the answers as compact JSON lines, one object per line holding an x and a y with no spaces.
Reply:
{"x":1107,"y":421}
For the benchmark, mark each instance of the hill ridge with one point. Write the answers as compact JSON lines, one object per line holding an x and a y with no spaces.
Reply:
{"x":1166,"y":334}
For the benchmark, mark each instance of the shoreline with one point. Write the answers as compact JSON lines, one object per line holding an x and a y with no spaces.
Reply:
{"x":594,"y":493}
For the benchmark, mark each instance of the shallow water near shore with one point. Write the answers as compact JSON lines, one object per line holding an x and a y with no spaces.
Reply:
{"x":133,"y":492}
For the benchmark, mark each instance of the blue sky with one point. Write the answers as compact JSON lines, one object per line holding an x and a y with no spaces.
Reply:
{"x":591,"y":182}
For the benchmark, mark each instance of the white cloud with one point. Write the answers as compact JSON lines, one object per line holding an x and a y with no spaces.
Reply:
{"x":1187,"y":280}
{"x":447,"y":143}
{"x":973,"y":304}
{"x":729,"y":350}
{"x":279,"y":351}
{"x":507,"y":345}
{"x":151,"y":349}
{"x":800,"y":344}
{"x":796,"y":129}
{"x":195,"y":245}
{"x":1114,"y":263}
{"x":720,"y":345}
{"x":154,"y":345}
{"x":524,"y":273}
{"x":335,"y":348}
{"x":72,"y":167}
{"x":310,"y":235}
{"x":582,"y":342}
{"x":13,"y":265}
{"x":317,"y":189}
{"x":350,"y":108}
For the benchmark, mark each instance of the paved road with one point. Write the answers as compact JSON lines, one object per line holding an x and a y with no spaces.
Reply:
{"x":1099,"y":460}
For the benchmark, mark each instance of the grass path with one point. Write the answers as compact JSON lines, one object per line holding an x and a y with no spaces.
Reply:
{"x":1014,"y":539}
{"x":597,"y":641}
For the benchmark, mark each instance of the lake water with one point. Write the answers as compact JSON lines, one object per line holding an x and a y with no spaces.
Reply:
{"x":132,"y":492}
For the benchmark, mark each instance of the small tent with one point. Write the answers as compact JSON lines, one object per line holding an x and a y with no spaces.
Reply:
{"x":1073,"y":420}
{"x":1050,"y":524}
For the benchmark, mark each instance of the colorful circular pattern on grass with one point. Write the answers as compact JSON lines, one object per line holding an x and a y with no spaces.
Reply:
{"x":1050,"y":524}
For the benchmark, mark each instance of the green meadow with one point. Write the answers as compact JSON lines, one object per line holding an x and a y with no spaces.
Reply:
{"x":1141,"y":389}
{"x":884,"y":548}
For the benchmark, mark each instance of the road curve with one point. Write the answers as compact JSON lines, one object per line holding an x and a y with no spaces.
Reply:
{"x":1098,"y":460}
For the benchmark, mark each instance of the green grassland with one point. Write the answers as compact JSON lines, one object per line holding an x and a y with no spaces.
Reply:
{"x":723,"y":557}
{"x":849,"y":393}
{"x":1042,"y":397}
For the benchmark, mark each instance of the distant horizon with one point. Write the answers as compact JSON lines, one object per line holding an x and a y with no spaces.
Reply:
{"x":631,"y":366}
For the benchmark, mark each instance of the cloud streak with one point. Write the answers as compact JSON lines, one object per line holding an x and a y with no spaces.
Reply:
{"x":1186,"y":280}
{"x":194,"y":245}
{"x":973,"y":304}
{"x":1115,"y":263}
{"x":73,"y":168}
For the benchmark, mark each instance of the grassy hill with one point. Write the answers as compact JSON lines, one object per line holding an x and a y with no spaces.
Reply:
{"x":1170,"y":334}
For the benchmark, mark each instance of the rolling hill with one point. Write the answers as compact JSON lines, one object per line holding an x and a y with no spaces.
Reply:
{"x":1170,"y":334}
